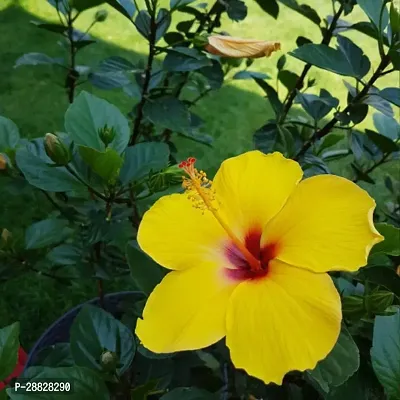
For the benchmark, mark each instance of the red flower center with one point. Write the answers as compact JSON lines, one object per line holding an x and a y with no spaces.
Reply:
{"x":243,"y":270}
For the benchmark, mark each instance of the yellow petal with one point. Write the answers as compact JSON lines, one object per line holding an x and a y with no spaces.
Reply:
{"x":177,"y":235}
{"x":286,"y":321}
{"x":186,"y":311}
{"x":228,"y":46}
{"x":325,"y":225}
{"x":253,"y":187}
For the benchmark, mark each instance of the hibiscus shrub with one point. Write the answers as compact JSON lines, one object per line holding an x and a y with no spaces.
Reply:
{"x":266,"y":298}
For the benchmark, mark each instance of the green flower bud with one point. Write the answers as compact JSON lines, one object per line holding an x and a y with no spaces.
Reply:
{"x":109,"y":360}
{"x":3,"y":162}
{"x":101,"y":15}
{"x":107,"y":135}
{"x":57,"y":151}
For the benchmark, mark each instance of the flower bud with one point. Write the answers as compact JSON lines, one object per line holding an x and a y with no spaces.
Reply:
{"x":228,"y":46}
{"x":57,"y":151}
{"x":109,"y":360}
{"x":3,"y":162}
{"x":101,"y":15}
{"x":107,"y":135}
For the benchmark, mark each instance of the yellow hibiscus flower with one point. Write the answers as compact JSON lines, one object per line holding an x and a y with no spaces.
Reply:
{"x":228,"y":46}
{"x":249,"y":254}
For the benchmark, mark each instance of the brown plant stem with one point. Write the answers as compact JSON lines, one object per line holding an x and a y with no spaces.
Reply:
{"x":300,"y":82}
{"x":147,"y":78}
{"x":71,"y":78}
{"x":100,"y":286}
{"x":331,"y":124}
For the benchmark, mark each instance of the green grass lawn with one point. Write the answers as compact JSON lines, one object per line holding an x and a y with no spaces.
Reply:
{"x":33,"y":97}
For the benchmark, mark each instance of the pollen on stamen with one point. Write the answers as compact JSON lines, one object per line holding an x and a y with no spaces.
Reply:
{"x":197,"y":186}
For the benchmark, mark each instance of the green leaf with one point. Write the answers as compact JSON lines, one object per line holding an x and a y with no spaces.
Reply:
{"x":358,"y":112}
{"x":303,"y":9}
{"x":9,"y":134}
{"x":391,"y":244}
{"x":190,"y":393}
{"x":58,"y":355}
{"x":246,"y":74}
{"x":39,"y":174}
{"x":168,"y":112}
{"x":236,"y":10}
{"x":143,"y":23}
{"x":329,"y":140}
{"x":332,"y":155}
{"x":359,"y":62}
{"x":378,"y":301}
{"x":36,"y":59}
{"x":301,"y":41}
{"x":391,"y":94}
{"x":330,"y":59}
{"x":214,"y":74}
{"x":185,"y":26}
{"x":109,"y":80}
{"x":272,"y":95}
{"x":288,"y":78}
{"x":125,"y":7}
{"x":60,"y":5}
{"x":106,"y":164}
{"x":395,"y":17}
{"x":163,"y":21}
{"x":93,"y":331}
{"x":373,"y":8}
{"x":341,"y":363}
{"x":9,"y":345}
{"x":382,"y":276}
{"x":281,"y":62}
{"x":374,"y":100}
{"x":268,"y":138}
{"x":145,"y":272}
{"x":88,"y":114}
{"x":183,"y":59}
{"x":142,"y":159}
{"x":85,"y":384}
{"x":46,"y":232}
{"x":56,"y":28}
{"x":385,"y":353}
{"x":387,"y":126}
{"x":271,"y":7}
{"x":82,"y":5}
{"x":176,"y":4}
{"x":383,"y":143}
{"x":173,"y":37}
{"x":112,"y":73}
{"x":317,"y":106}
{"x":143,"y":391}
